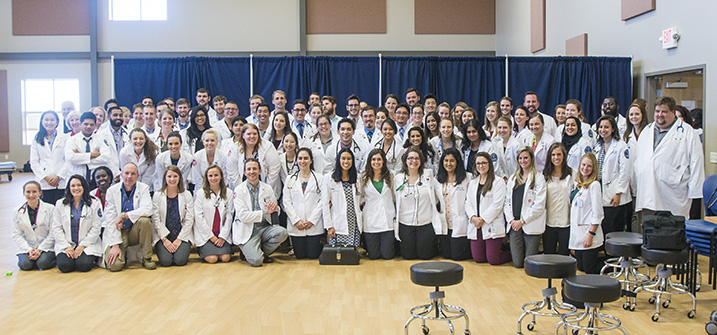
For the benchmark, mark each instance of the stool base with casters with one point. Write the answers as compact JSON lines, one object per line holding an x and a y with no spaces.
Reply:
{"x":628,"y":249}
{"x":437,"y":310}
{"x":596,"y":321}
{"x":547,"y":266}
{"x":664,"y":285}
{"x":592,"y":290}
{"x":437,"y":274}
{"x":549,"y":303}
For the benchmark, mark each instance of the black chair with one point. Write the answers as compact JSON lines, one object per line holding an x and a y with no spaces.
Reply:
{"x":547,"y":266}
{"x":663,"y":283}
{"x":436,"y":274}
{"x":627,"y":249}
{"x":593,"y":290}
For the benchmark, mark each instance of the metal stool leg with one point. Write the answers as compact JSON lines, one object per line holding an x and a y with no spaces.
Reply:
{"x":437,"y":310}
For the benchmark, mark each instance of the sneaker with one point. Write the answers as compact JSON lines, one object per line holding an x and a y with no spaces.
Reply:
{"x":268,"y":260}
{"x":149,"y":264}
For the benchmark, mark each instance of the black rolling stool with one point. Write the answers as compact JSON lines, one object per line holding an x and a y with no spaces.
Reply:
{"x":436,"y":274}
{"x":616,"y":262}
{"x":663,"y":284}
{"x":593,"y":290}
{"x":547,"y":266}
{"x":628,"y":249}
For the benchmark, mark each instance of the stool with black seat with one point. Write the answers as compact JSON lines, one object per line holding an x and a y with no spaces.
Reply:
{"x":616,"y":262}
{"x":547,"y":266}
{"x":436,"y":274}
{"x":663,"y":283}
{"x":593,"y":290}
{"x":627,"y":249}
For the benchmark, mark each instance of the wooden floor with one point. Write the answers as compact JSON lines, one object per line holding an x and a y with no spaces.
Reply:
{"x":286,"y":297}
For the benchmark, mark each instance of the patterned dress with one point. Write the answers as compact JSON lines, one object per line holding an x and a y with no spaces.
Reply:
{"x":354,"y":236}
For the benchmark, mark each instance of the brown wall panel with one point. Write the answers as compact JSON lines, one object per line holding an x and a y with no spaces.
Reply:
{"x":455,"y":17}
{"x":537,"y":25}
{"x":633,"y":8}
{"x":345,"y":17}
{"x":4,"y":114}
{"x":577,"y":46}
{"x":51,"y":17}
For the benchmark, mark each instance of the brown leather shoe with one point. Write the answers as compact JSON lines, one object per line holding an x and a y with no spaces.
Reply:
{"x":149,"y":264}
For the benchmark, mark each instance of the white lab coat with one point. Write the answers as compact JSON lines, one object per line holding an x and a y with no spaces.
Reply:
{"x":541,"y":149}
{"x":159,"y":216}
{"x":223,"y":130}
{"x":309,"y":130}
{"x":393,"y":156}
{"x":204,"y":217}
{"x":621,"y":126}
{"x":672,"y":174}
{"x":49,"y":162}
{"x":303,"y":205}
{"x":437,"y":145}
{"x":142,"y":207}
{"x":377,"y":135}
{"x":270,"y":166}
{"x":164,"y":160}
{"x":40,"y":238}
{"x":491,"y":209}
{"x":200,"y":164}
{"x":287,"y":169}
{"x":484,"y":146}
{"x":155,"y":133}
{"x":424,"y":181}
{"x":507,"y":156}
{"x":533,"y":209}
{"x":632,"y":147}
{"x":334,"y":205}
{"x":359,"y":147}
{"x":616,"y":171}
{"x":457,"y":203}
{"x":89,"y":230}
{"x":379,"y":208}
{"x":145,"y":168}
{"x":76,"y":162}
{"x":577,"y":151}
{"x":585,"y":211}
{"x":246,"y":217}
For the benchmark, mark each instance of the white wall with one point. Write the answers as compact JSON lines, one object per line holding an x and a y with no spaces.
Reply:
{"x":399,"y":36}
{"x":17,"y":71}
{"x":609,"y":36}
{"x":207,"y":25}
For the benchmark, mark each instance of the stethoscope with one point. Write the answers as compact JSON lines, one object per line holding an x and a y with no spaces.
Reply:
{"x":681,"y":130}
{"x":295,"y":177}
{"x":355,"y":148}
{"x":379,"y":145}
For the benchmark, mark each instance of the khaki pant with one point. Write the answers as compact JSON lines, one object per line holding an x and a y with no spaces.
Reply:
{"x":140,"y":233}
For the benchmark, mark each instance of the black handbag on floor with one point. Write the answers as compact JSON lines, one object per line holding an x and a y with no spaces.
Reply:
{"x":664,"y":231}
{"x":339,"y":255}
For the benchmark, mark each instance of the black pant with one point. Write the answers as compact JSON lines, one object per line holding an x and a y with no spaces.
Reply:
{"x":51,"y":196}
{"x":555,"y":240}
{"x":588,"y":261}
{"x":380,"y":245}
{"x":616,"y":218}
{"x":83,"y":263}
{"x":460,"y":248}
{"x":307,"y":246}
{"x":444,"y":244}
{"x":417,"y":241}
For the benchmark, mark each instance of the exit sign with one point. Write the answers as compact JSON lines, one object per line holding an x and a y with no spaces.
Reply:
{"x":669,"y":38}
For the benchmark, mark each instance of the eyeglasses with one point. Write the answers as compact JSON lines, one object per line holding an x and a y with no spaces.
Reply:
{"x":481,"y":163}
{"x":413,"y":158}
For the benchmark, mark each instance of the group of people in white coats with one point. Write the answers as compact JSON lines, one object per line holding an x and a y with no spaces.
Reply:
{"x":436,"y":186}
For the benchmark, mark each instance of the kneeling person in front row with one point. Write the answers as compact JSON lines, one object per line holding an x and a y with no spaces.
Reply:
{"x":127,"y":215}
{"x":253,"y":231}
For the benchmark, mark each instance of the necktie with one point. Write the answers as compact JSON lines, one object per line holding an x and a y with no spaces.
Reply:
{"x":370,"y":135}
{"x":401,"y":131}
{"x":217,"y":221}
{"x":300,"y":127}
{"x":87,"y":149}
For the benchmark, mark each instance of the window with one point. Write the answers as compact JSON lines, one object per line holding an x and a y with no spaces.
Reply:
{"x":138,"y":10}
{"x":40,"y":95}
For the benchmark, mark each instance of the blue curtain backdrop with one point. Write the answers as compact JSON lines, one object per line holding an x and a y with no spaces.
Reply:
{"x":557,"y":79}
{"x":181,"y":77}
{"x":473,"y":80}
{"x":336,"y":76}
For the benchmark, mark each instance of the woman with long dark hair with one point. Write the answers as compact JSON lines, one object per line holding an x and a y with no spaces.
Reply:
{"x":302,"y":202}
{"x":614,"y":171}
{"x":76,"y":226}
{"x":342,"y":213}
{"x":143,"y":153}
{"x":213,"y":217}
{"x":417,"y":139}
{"x":379,"y":197}
{"x":390,"y":145}
{"x":173,"y":218}
{"x":280,"y":127}
{"x":559,"y":180}
{"x":198,"y":124}
{"x":451,"y":183}
{"x":47,"y":157}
